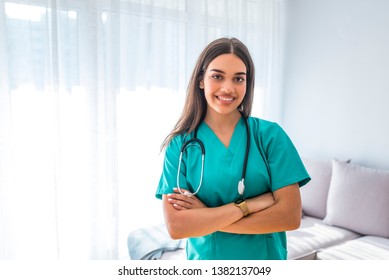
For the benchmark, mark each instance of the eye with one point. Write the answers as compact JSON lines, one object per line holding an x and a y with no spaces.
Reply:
{"x":240,"y":79}
{"x":217,"y":77}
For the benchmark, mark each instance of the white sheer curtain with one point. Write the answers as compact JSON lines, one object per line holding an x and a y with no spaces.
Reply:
{"x":88,"y":91}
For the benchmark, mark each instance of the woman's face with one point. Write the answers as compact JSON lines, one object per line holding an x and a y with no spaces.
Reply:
{"x":224,"y":84}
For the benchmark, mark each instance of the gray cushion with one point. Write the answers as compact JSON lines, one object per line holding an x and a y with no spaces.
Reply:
{"x":314,"y":194}
{"x":358,"y":199}
{"x":363,"y":248}
{"x":313,"y":235}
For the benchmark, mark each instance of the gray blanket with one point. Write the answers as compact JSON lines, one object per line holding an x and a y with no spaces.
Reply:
{"x":149,"y":243}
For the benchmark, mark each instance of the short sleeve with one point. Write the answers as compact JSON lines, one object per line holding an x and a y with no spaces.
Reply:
{"x":168,"y":179}
{"x":284,"y":162}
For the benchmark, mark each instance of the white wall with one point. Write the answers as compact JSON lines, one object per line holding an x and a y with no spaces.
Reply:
{"x":336,"y":79}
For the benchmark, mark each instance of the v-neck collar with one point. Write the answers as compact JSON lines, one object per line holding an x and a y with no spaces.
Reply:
{"x":236,"y":137}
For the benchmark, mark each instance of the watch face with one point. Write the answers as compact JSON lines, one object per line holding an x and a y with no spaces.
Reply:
{"x":239,"y":200}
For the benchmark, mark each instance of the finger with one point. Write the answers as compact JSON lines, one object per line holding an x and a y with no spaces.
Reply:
{"x":181,"y":197}
{"x":178,"y":207}
{"x":182,"y":204}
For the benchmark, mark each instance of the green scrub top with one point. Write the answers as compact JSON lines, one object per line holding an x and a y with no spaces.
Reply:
{"x":273,"y":163}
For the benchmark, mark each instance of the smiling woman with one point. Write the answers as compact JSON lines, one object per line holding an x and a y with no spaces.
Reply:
{"x":229,"y":212}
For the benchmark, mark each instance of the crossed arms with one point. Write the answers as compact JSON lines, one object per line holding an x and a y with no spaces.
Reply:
{"x":271,"y":212}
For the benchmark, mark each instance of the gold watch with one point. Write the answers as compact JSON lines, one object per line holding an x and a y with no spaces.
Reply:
{"x":242,"y":204}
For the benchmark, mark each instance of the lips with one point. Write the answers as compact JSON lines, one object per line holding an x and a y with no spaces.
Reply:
{"x":225,"y":99}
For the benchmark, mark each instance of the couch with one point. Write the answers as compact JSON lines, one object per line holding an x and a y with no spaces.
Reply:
{"x":345,"y":215}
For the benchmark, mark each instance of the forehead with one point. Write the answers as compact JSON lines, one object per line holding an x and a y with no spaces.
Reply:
{"x":228,"y":63}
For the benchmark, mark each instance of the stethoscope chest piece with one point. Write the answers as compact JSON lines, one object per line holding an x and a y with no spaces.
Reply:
{"x":241,"y":187}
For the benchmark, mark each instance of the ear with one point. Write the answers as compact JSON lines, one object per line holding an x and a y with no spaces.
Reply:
{"x":201,"y":85}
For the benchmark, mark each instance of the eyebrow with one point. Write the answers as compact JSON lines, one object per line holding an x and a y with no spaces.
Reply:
{"x":222,"y":72}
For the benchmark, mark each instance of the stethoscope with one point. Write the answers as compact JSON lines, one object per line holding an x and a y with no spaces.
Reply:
{"x":192,"y":142}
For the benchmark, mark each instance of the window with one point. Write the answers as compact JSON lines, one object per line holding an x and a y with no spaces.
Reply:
{"x":89,"y":90}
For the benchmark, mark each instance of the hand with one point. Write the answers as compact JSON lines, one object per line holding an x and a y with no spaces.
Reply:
{"x":184,"y":202}
{"x":260,"y":202}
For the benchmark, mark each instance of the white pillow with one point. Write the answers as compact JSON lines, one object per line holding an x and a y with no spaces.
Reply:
{"x":358,"y":199}
{"x":314,"y":193}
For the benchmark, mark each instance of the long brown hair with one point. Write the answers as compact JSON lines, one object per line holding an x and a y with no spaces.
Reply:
{"x":195,"y":104}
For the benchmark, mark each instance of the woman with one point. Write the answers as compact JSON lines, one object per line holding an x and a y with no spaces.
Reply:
{"x":205,"y":201}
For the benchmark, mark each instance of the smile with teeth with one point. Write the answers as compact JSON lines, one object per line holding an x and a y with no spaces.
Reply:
{"x":225,"y":98}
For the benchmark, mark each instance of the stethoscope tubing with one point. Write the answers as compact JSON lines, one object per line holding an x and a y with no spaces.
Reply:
{"x":195,"y":140}
{"x":187,"y":193}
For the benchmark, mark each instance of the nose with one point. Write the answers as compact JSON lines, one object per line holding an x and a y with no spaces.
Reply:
{"x":227,"y":87}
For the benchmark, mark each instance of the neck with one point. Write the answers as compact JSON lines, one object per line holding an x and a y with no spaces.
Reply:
{"x":220,"y":122}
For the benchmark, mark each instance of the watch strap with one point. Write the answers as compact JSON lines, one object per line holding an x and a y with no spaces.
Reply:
{"x":242,"y":204}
